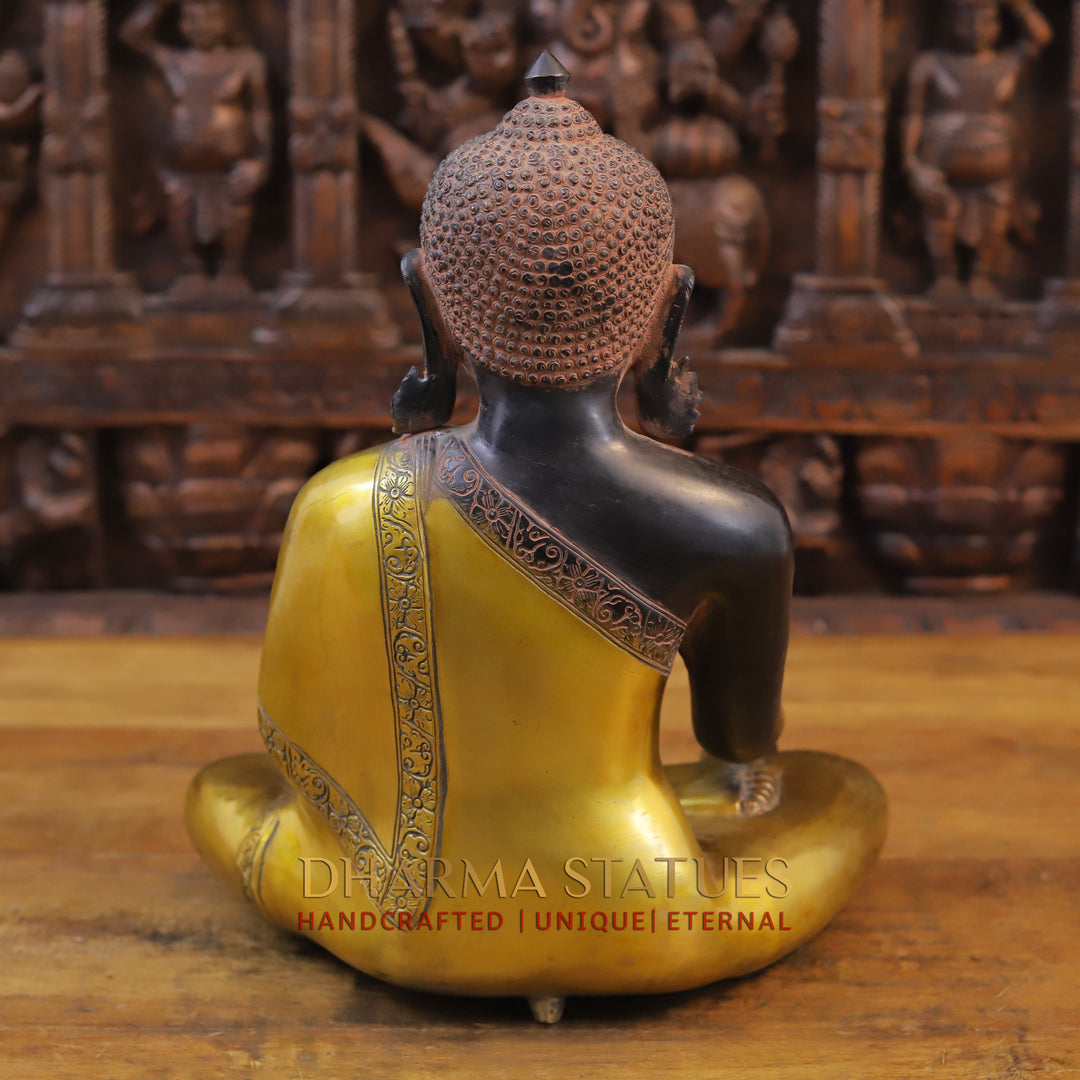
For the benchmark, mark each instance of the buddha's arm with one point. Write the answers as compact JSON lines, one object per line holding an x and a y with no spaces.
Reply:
{"x":734,"y":649}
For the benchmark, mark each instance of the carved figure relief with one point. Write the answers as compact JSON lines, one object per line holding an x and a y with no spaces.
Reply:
{"x":435,"y":120}
{"x":220,"y":131}
{"x":960,"y":144}
{"x":208,"y":502}
{"x":648,"y":70}
{"x":20,"y":101}
{"x":48,"y":508}
{"x":958,"y":514}
{"x":671,"y":101}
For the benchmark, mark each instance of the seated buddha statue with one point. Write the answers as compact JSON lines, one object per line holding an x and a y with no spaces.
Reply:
{"x":471,"y":629}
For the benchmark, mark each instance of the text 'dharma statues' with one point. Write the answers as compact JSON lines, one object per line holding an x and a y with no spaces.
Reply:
{"x":20,"y":101}
{"x":472,"y":627}
{"x":960,"y":144}
{"x":219,"y":138}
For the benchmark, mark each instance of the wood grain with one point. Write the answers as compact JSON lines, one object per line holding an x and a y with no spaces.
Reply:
{"x":123,"y":958}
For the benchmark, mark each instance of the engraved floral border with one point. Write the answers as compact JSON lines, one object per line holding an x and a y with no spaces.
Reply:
{"x":617,"y":610}
{"x":402,"y":475}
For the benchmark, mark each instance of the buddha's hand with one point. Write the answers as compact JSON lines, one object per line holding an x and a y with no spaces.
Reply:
{"x":932,"y":191}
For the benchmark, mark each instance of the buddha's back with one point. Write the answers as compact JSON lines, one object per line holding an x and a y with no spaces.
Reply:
{"x":476,"y":685}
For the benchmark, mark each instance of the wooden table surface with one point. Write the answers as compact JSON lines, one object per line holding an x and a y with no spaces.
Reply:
{"x":959,"y":957}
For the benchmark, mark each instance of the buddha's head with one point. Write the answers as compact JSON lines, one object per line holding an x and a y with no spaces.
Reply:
{"x":205,"y":23}
{"x":976,"y":24}
{"x":546,"y":246}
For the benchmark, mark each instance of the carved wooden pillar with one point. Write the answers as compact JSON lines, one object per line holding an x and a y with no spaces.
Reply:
{"x":1060,"y":310}
{"x":844,"y":302}
{"x":324,"y":294}
{"x":83,"y":293}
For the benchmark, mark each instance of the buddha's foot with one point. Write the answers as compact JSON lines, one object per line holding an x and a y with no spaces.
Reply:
{"x":758,"y":785}
{"x":230,"y":815}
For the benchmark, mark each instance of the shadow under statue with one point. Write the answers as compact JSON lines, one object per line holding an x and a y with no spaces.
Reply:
{"x":472,"y":627}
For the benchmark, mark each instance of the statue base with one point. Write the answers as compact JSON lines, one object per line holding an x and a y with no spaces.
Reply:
{"x":824,"y":315}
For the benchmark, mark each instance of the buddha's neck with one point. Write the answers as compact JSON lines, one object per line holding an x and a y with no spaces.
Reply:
{"x":545,"y":424}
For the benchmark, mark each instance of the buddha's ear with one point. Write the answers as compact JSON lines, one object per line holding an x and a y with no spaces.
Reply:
{"x":425,"y":400}
{"x":667,"y":391}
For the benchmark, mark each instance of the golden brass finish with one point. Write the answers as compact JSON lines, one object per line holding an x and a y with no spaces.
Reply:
{"x":545,"y":761}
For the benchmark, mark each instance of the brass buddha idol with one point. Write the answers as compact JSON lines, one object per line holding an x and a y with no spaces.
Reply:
{"x":471,"y":629}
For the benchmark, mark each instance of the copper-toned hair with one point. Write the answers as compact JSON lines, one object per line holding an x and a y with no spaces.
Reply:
{"x":547,"y":243}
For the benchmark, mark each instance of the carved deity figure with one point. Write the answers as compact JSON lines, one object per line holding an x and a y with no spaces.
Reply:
{"x":960,"y":142}
{"x":650,"y":72}
{"x":471,"y":629}
{"x":220,"y":133}
{"x":436,"y":119}
{"x":20,"y":100}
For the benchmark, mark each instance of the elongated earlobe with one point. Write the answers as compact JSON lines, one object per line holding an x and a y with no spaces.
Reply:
{"x":667,"y":391}
{"x":424,"y":400}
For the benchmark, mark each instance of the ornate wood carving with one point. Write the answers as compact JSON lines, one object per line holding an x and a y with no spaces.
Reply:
{"x":324,"y":296}
{"x":217,"y":151}
{"x":960,"y":147}
{"x":1059,"y":313}
{"x":83,"y":292}
{"x":716,"y":91}
{"x":844,"y":304}
{"x":49,"y":515}
{"x":207,"y":502}
{"x":20,"y":100}
{"x":959,"y":514}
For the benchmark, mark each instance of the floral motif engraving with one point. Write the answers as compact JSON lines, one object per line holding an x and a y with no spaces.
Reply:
{"x":393,"y":877}
{"x":365,"y":850}
{"x":617,"y":610}
{"x":401,"y":477}
{"x":245,"y":860}
{"x":251,"y":855}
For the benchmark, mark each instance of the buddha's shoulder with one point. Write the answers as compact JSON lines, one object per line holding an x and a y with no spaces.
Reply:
{"x":710,"y":498}
{"x":335,"y":494}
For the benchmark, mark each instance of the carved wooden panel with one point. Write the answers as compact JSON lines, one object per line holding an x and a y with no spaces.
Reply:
{"x":198,"y":239}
